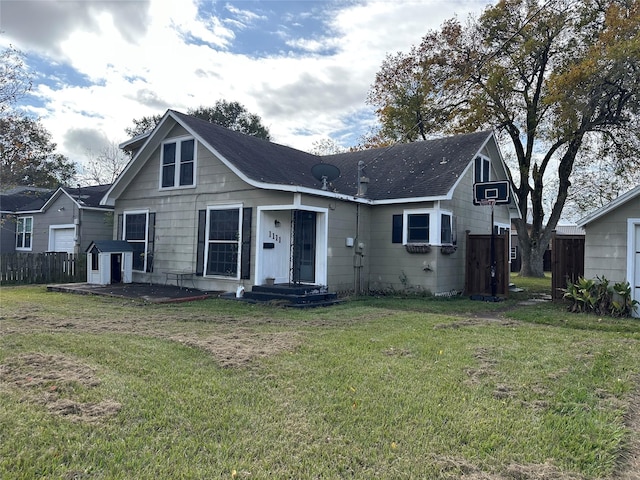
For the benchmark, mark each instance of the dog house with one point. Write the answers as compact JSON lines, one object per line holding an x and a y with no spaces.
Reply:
{"x":109,"y":261}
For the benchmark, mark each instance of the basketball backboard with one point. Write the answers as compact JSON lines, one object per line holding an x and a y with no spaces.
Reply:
{"x":491,"y":193}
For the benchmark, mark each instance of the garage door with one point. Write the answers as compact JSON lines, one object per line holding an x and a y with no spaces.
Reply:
{"x":62,"y":240}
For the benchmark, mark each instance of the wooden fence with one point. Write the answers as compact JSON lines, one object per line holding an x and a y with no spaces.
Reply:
{"x":54,"y":267}
{"x":567,"y":262}
{"x":478,"y":260}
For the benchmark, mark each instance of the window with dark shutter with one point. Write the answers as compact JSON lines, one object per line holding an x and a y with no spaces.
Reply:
{"x":202,"y":233}
{"x":151,"y":234}
{"x":245,"y":258}
{"x":396,"y":233}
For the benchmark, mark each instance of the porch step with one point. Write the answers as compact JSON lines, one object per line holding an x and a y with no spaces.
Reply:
{"x":299,"y":296}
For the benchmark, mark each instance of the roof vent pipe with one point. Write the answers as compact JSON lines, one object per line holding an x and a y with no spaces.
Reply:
{"x":363,"y":181}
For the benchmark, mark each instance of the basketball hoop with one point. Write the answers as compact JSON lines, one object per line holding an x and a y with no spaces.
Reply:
{"x":491,"y":193}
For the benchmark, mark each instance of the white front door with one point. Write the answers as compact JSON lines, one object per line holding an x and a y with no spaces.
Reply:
{"x":292,"y":245}
{"x":275,"y":246}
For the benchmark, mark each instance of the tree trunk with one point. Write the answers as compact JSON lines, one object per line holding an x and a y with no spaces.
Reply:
{"x":531,"y":251}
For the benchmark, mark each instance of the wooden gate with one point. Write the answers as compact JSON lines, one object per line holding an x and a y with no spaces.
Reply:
{"x":567,"y":262}
{"x":478,"y":264}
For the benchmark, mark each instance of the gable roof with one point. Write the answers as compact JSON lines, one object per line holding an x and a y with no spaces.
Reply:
{"x":83,"y":197}
{"x":106,"y":246}
{"x":615,"y":203}
{"x":427,"y":170}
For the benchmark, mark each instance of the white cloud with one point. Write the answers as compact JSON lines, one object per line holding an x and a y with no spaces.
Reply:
{"x":178,"y":59}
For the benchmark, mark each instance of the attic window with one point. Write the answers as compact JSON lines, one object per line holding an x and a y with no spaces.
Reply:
{"x":178,"y":163}
{"x":482,"y":166}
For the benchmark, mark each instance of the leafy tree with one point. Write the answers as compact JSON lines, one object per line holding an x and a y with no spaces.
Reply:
{"x":234,"y":116}
{"x":559,"y":81}
{"x":15,"y":80}
{"x":27,"y":155}
{"x":231,"y":115}
{"x":143,"y":125}
{"x":104,"y":166}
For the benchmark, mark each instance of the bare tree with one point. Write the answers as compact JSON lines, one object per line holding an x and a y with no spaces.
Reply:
{"x":326,"y":146}
{"x":15,"y":80}
{"x":104,"y":166}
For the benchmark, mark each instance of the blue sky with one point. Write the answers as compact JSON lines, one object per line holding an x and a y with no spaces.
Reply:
{"x":304,"y":67}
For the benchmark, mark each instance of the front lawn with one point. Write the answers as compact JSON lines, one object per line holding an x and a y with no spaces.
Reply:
{"x":106,"y":388}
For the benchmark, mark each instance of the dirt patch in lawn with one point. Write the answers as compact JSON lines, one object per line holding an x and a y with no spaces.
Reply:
{"x":454,"y":468}
{"x":629,"y":460}
{"x":478,"y":321}
{"x":241,"y":347}
{"x":53,"y":381}
{"x":229,"y":340}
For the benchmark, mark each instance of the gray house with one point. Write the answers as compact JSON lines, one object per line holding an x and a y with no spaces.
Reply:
{"x":612,"y":241}
{"x":64,"y":220}
{"x":235,"y":210}
{"x":13,"y":201}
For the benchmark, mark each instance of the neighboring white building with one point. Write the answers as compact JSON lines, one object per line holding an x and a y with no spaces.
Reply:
{"x":612,"y":241}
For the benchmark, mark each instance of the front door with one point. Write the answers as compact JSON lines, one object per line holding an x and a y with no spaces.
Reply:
{"x":304,"y":246}
{"x":116,"y":267}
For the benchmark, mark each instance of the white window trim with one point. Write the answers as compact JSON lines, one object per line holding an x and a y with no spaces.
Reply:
{"x":30,"y":247}
{"x":632,"y":223}
{"x":452,"y":223}
{"x":61,"y":227}
{"x":146,"y":233}
{"x":483,"y":157}
{"x":178,"y":141}
{"x":435,"y":224}
{"x":234,"y":206}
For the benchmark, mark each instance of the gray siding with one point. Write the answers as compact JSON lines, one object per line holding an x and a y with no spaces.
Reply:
{"x":89,"y":224}
{"x":382,"y":265}
{"x":606,"y":243}
{"x":94,"y":225}
{"x":396,"y":269}
{"x":344,"y":264}
{"x":176,"y":227}
{"x":61,"y":212}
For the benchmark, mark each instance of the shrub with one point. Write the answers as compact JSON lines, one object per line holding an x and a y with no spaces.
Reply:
{"x":598,"y":296}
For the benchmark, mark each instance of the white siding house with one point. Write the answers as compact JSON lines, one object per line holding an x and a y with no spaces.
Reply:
{"x":612,"y":241}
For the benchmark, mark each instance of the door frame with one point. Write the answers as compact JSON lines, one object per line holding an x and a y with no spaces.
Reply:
{"x":633,"y":225}
{"x":67,"y":226}
{"x":322,"y":239}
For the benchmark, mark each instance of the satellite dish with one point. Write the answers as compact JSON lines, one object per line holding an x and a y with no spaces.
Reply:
{"x":325,"y":172}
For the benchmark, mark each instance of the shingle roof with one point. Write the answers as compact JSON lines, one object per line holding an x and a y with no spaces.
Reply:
{"x":88,"y":196}
{"x":104,"y":246}
{"x":419,"y":169}
{"x":24,"y":199}
{"x":409,"y":170}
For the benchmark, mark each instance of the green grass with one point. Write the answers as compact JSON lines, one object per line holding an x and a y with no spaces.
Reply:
{"x":372,"y":388}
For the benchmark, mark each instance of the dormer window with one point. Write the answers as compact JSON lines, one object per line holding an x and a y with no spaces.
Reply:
{"x":178,"y":163}
{"x":482,"y":166}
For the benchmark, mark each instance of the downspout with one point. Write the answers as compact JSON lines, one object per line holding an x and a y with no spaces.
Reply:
{"x":357,"y":257}
{"x":363,"y":182}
